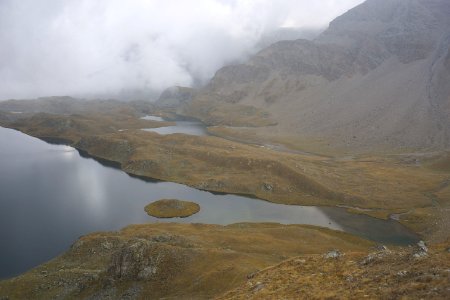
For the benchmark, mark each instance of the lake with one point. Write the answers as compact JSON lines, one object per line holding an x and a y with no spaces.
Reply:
{"x":51,"y":194}
{"x":185,"y":127}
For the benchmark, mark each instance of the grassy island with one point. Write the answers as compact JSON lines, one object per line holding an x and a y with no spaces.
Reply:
{"x":172,"y":208}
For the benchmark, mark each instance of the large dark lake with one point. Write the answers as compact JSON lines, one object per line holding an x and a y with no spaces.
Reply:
{"x":50,"y":195}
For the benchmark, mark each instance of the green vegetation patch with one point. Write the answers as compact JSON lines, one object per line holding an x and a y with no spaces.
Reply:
{"x":172,"y":208}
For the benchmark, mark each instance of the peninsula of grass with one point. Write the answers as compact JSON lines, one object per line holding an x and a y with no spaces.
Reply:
{"x":172,"y":208}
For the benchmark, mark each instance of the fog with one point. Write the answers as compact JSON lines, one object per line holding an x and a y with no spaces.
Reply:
{"x":115,"y":47}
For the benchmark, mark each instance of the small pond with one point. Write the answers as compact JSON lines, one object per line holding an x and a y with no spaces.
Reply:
{"x":185,"y":127}
{"x":153,"y":118}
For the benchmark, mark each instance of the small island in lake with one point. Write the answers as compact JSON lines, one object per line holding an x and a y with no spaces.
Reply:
{"x":172,"y":208}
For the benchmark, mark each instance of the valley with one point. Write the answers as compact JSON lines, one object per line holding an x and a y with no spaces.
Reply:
{"x":311,"y":169}
{"x":376,"y":184}
{"x":163,"y":258}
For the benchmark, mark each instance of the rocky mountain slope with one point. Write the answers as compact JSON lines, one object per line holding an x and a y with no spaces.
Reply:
{"x":378,"y":76}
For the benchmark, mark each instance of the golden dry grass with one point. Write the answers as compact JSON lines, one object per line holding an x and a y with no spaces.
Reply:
{"x":200,"y":261}
{"x":172,"y":208}
{"x":382,"y":275}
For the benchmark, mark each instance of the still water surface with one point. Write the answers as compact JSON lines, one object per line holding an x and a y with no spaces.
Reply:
{"x":50,"y":195}
{"x":153,"y":118}
{"x":185,"y":127}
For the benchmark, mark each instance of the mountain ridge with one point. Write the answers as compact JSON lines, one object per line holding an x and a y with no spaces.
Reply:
{"x":377,"y":77}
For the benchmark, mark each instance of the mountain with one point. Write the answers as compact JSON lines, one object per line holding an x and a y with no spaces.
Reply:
{"x":286,"y":34}
{"x":378,"y":77}
{"x":175,"y":96}
{"x":66,"y":105}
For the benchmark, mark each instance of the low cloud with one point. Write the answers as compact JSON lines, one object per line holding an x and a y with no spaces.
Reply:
{"x":108,"y":47}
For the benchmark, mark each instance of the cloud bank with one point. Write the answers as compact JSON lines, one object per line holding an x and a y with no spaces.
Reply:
{"x":106,"y":47}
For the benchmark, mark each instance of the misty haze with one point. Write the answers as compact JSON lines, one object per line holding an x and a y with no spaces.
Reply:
{"x":225,"y":149}
{"x":94,"y":48}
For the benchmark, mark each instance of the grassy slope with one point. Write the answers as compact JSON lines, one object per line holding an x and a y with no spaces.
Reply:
{"x":189,"y":260}
{"x":219,"y":112}
{"x":381,"y":275}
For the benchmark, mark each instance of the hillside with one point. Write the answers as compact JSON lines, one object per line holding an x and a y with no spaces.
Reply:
{"x":356,"y":119}
{"x":377,"y":77}
{"x":383,"y":274}
{"x":171,"y":261}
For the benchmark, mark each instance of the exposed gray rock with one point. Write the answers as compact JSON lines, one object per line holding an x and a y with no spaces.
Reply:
{"x":381,"y":248}
{"x":421,"y":250}
{"x":402,"y":273}
{"x":267,"y":187}
{"x":422,"y":247}
{"x":107,"y":245}
{"x":138,"y":259}
{"x":164,"y":238}
{"x":142,"y":259}
{"x":369,"y":259}
{"x":258,"y":286}
{"x":375,"y":257}
{"x":333,"y":254}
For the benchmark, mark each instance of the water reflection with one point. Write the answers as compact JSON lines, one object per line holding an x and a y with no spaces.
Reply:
{"x":94,"y":196}
{"x":185,"y":127}
{"x":382,"y":231}
{"x":52,"y":194}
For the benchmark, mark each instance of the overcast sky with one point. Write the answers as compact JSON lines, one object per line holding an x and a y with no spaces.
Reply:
{"x":80,"y":47}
